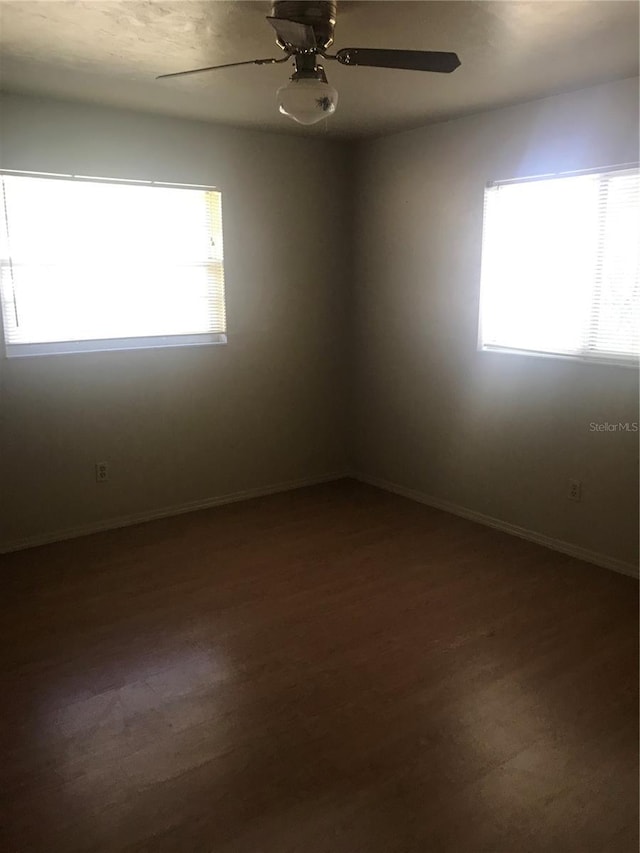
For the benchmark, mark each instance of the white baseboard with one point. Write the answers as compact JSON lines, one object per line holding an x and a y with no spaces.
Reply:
{"x":164,"y":512}
{"x":569,"y":548}
{"x":531,"y":535}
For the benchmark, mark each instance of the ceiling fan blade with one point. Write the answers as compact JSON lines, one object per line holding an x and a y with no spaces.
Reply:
{"x":410,"y":60}
{"x":293,"y":33}
{"x":226,"y":65}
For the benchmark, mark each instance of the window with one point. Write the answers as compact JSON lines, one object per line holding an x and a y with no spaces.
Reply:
{"x":90,"y":264}
{"x":560,"y":262}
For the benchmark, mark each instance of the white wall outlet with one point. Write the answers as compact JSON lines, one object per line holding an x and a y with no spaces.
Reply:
{"x":102,"y":472}
{"x":575,"y":490}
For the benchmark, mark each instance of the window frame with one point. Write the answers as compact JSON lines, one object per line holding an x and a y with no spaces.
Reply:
{"x":631,"y":361}
{"x":103,"y":345}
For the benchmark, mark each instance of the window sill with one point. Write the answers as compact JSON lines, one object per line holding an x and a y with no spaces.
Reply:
{"x":613,"y":361}
{"x":112,"y":345}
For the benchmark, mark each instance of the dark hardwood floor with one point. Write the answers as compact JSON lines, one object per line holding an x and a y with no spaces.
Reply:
{"x":333,"y":670}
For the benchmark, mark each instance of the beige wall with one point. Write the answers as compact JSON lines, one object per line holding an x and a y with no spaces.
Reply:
{"x":301,"y":390}
{"x":498,"y":434}
{"x":184,"y":425}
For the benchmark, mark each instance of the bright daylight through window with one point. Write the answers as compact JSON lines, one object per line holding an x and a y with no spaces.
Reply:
{"x":560,"y":266}
{"x":90,"y":264}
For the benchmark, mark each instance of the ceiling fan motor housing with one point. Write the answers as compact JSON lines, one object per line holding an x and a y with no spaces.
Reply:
{"x":319,"y":14}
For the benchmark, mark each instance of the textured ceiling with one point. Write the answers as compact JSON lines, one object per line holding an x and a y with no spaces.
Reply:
{"x":110,"y":52}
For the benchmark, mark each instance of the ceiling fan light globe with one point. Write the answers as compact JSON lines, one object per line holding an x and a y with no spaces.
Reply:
{"x":307,"y":100}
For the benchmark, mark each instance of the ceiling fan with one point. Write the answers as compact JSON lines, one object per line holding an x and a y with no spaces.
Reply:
{"x":304,"y":31}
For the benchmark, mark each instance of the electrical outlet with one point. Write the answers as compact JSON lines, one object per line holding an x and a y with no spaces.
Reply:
{"x":575,"y":490}
{"x":102,"y":472}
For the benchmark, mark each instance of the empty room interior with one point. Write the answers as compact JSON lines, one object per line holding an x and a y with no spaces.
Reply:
{"x":319,"y":426}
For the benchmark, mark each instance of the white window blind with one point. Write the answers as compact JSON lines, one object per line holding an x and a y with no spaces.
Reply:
{"x":90,"y":264}
{"x":560,"y":266}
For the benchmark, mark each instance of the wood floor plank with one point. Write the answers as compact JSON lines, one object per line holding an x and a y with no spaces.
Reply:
{"x":333,"y":669}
